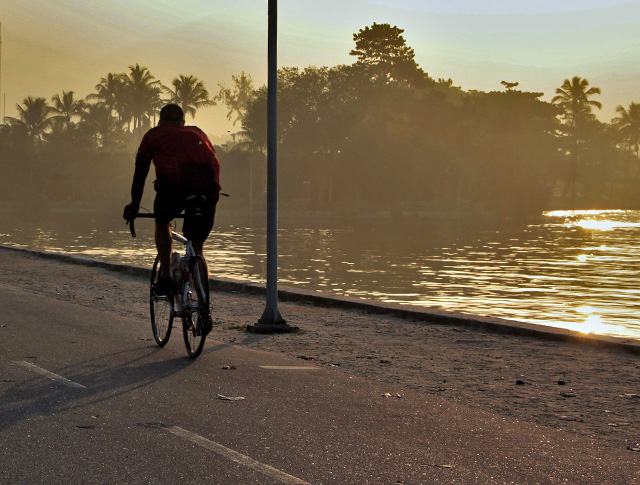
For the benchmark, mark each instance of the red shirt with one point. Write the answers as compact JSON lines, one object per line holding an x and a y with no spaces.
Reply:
{"x":183,"y":155}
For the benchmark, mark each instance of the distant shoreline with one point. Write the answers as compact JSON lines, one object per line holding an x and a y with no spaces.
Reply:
{"x":395,"y":215}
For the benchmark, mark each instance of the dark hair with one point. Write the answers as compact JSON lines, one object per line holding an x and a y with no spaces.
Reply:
{"x":171,"y":112}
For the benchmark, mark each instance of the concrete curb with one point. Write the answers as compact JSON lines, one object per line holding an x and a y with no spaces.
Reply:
{"x":426,"y":315}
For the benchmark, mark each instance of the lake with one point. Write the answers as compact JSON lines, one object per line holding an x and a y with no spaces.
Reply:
{"x":569,"y":269}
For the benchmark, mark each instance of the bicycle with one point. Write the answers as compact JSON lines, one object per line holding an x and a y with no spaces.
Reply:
{"x":190,"y":301}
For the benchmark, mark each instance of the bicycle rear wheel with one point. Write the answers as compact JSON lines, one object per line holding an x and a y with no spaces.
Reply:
{"x":196,"y":308}
{"x":161,"y":309}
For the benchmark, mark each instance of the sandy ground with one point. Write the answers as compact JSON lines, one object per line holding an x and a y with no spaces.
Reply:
{"x":581,"y":389}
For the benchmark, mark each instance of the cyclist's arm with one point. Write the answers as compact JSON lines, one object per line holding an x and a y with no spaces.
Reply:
{"x":143,"y":163}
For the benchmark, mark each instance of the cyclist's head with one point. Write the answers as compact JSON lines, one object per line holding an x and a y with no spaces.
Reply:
{"x":172,"y":114}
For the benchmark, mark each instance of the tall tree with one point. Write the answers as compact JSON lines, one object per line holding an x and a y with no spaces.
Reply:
{"x":66,"y":106}
{"x":628,"y":124}
{"x":142,"y":91}
{"x":237,"y":100}
{"x":109,"y":91}
{"x":99,"y":123}
{"x":384,"y":53}
{"x":34,"y":116}
{"x":254,"y":121}
{"x":573,"y":98}
{"x":189,"y":92}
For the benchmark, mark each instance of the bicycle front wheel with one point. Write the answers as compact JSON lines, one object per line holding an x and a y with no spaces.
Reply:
{"x":196,"y":308}
{"x":161,"y":309}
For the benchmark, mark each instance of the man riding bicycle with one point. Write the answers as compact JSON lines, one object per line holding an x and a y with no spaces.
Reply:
{"x":186,"y":166}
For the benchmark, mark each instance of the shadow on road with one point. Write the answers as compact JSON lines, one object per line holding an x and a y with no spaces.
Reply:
{"x":104,"y":380}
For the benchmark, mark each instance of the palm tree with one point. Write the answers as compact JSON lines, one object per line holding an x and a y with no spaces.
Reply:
{"x":67,"y":107}
{"x":34,"y":116}
{"x":189,"y":92}
{"x":142,"y":92}
{"x":109,"y":92}
{"x":573,"y":98}
{"x":628,"y":124}
{"x":99,"y":123}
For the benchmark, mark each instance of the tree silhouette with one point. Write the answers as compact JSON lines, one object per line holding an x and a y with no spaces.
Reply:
{"x":99,"y":124}
{"x":254,"y":121}
{"x":34,"y":116}
{"x":384,"y":53}
{"x":237,"y":100}
{"x":628,"y":124}
{"x":573,"y":98}
{"x":509,"y":86}
{"x":110,"y":92}
{"x":189,"y":92}
{"x":142,"y":92}
{"x":67,"y":107}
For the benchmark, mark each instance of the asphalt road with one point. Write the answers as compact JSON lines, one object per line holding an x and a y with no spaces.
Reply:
{"x":87,"y":397}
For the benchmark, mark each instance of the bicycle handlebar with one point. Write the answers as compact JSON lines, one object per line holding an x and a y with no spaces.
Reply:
{"x":145,"y":215}
{"x":151,"y":215}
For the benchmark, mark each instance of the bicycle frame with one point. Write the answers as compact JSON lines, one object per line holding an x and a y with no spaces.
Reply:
{"x":189,"y":253}
{"x":184,"y":288}
{"x":190,"y":301}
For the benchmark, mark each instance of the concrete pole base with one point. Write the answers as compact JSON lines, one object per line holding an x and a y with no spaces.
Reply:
{"x":271,"y":328}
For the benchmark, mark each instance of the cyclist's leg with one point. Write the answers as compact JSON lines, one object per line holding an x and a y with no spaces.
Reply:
{"x":164,"y":245}
{"x":167,"y":206}
{"x":198,"y":247}
{"x":204,"y":225}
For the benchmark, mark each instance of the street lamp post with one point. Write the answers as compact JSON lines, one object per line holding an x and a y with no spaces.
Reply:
{"x":271,"y":321}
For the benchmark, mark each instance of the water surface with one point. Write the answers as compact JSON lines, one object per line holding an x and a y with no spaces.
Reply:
{"x":570,"y":269}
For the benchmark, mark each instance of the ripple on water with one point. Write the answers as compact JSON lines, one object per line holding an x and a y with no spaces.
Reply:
{"x":545,"y":273}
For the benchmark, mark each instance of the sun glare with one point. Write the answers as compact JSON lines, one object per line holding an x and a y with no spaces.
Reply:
{"x":593,"y":324}
{"x":585,"y":309}
{"x":576,"y":213}
{"x":597,"y":225}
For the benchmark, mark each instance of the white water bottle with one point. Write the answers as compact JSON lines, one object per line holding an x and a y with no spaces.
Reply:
{"x":176,"y":270}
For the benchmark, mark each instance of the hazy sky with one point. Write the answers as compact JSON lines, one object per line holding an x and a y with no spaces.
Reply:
{"x":51,"y":45}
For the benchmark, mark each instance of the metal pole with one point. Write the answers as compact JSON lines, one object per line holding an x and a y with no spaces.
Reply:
{"x":271,"y":321}
{"x":1,"y":67}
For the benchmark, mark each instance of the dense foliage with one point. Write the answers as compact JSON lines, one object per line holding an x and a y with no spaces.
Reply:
{"x":82,"y":149}
{"x":379,"y":134}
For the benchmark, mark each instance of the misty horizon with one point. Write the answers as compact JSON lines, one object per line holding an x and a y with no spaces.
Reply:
{"x":214,"y":42}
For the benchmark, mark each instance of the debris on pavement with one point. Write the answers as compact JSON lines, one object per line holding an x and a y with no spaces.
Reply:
{"x":230,"y":398}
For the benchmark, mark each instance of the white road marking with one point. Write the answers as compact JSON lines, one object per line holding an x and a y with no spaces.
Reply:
{"x":287,"y":367}
{"x":239,"y":458}
{"x":50,"y":375}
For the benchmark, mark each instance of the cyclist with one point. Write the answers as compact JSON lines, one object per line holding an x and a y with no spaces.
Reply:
{"x":186,"y":165}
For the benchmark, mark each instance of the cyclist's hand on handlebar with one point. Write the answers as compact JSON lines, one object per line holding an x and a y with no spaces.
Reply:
{"x":129,"y":215}
{"x":130,"y":212}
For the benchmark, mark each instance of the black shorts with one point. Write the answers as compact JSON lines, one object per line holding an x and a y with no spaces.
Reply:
{"x":200,"y":211}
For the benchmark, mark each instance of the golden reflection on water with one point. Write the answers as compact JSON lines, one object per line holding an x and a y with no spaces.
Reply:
{"x":575,"y":213}
{"x":571,"y":269}
{"x":592,"y":324}
{"x":593,"y":224}
{"x":597,"y":220}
